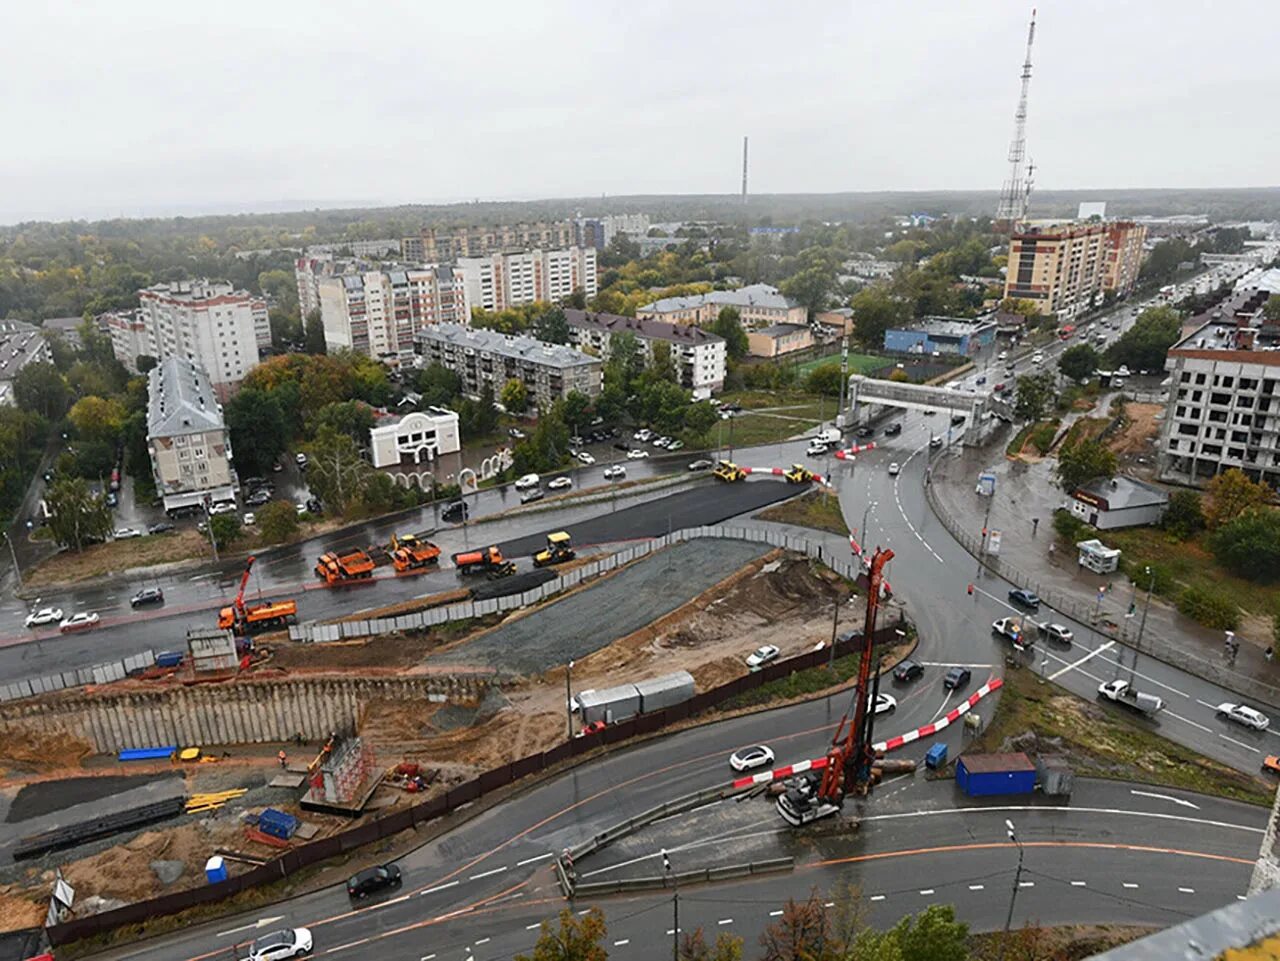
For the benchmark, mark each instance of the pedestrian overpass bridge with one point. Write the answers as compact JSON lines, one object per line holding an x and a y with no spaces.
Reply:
{"x":979,"y":407}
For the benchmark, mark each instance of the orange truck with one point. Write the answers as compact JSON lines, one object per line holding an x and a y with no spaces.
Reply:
{"x":487,"y":560}
{"x":335,"y":568}
{"x":412,"y":554}
{"x":246,"y":618}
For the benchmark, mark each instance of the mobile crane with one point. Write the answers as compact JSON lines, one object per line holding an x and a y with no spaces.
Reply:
{"x":848,"y":767}
{"x":245,"y":619}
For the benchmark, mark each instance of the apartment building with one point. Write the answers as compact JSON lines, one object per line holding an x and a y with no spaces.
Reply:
{"x":440,"y":244}
{"x":598,"y":232}
{"x":1058,"y":267}
{"x":187,"y":438}
{"x":377,"y":312}
{"x":503,"y":280}
{"x":1125,"y":244}
{"x":20,"y":344}
{"x":699,"y":356}
{"x":778,"y":339}
{"x":759,"y":305}
{"x":209,"y":323}
{"x":1223,"y":409}
{"x":486,"y":357}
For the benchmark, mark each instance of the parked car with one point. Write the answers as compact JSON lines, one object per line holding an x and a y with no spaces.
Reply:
{"x":865,"y":432}
{"x":250,"y":518}
{"x":286,"y":943}
{"x":516,"y":433}
{"x":125,"y":533}
{"x":701,"y":464}
{"x":763,"y":655}
{"x":957,"y":419}
{"x":908,"y":670}
{"x":372,"y":880}
{"x":981,"y":379}
{"x":642,"y":435}
{"x":894,"y":429}
{"x":749,"y":758}
{"x":894,"y":469}
{"x":529,"y":496}
{"x":161,"y":528}
{"x":585,"y":457}
{"x":527,"y":481}
{"x":559,"y":483}
{"x":637,"y":454}
{"x":1025,"y":598}
{"x":222,"y":507}
{"x":80,"y":622}
{"x":956,"y":677}
{"x":46,"y":615}
{"x":676,"y":444}
{"x":301,"y":461}
{"x":258,"y":498}
{"x":1245,"y":715}
{"x":454,"y":511}
{"x":935,"y":442}
{"x":300,"y":507}
{"x":999,"y":387}
{"x":1057,"y":632}
{"x":148,"y":595}
{"x":662,"y":441}
{"x":614,"y":471}
{"x":112,"y":499}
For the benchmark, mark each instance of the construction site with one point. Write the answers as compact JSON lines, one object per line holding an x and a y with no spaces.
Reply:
{"x":168,"y":781}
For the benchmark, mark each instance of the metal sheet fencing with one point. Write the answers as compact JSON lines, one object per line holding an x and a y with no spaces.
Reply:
{"x":98,"y":674}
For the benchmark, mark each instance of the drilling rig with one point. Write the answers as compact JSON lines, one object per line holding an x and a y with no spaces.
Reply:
{"x":819,"y":794}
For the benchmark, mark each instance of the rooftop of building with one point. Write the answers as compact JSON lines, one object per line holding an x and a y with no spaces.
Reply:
{"x":69,"y":327}
{"x":1233,"y":323}
{"x":649,"y":329}
{"x":1247,"y":929}
{"x":950,"y":326}
{"x":20,"y":344}
{"x":781,"y":330}
{"x":753,"y":295}
{"x":390,"y":418}
{"x":180,"y":400}
{"x":1123,"y":492}
{"x":197,"y":292}
{"x":1055,"y":229}
{"x":519,"y":346}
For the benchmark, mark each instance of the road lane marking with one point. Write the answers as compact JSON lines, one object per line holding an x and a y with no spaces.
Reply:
{"x":1187,"y":890}
{"x":426,"y":957}
{"x":440,"y":887}
{"x":924,"y":891}
{"x":725,"y":921}
{"x":343,"y":947}
{"x":1247,"y":747}
{"x":619,"y":944}
{"x":1062,"y":812}
{"x":1129,"y":884}
{"x":1026,"y":884}
{"x":488,"y":874}
{"x":829,"y":904}
{"x":1187,"y":720}
{"x":877,"y":897}
{"x":260,"y":923}
{"x":1164,"y":797}
{"x":775,"y":914}
{"x":956,"y":664}
{"x":1079,"y":884}
{"x":977,"y":887}
{"x":530,"y":927}
{"x":540,"y":857}
{"x":1072,"y":666}
{"x":483,"y":941}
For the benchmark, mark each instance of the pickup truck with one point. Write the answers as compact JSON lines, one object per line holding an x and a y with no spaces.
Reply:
{"x":1015,"y":629}
{"x":1121,"y":692}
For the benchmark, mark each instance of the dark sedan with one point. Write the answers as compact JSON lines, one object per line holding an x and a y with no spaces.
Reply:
{"x":908,"y":670}
{"x":1025,"y":598}
{"x":372,"y":880}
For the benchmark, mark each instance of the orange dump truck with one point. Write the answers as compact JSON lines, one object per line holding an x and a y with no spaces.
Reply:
{"x":245,"y":618}
{"x":411,"y":554}
{"x":335,"y":568}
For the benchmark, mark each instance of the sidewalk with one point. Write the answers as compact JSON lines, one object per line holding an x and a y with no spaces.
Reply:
{"x":1025,"y":492}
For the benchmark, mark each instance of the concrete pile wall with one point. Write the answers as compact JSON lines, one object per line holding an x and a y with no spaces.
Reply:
{"x":245,"y":712}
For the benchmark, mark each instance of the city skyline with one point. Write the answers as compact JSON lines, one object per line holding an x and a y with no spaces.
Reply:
{"x":128,"y":116}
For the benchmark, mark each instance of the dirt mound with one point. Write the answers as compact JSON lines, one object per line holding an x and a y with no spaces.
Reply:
{"x":41,"y":750}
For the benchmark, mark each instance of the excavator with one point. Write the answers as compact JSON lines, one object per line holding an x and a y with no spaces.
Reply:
{"x":815,"y":795}
{"x":335,"y":568}
{"x":245,"y":619}
{"x":411,"y":554}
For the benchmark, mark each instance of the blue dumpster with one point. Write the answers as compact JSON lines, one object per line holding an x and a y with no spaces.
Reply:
{"x":936,"y":758}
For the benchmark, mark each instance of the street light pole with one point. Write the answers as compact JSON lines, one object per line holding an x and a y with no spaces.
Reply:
{"x":1142,"y":624}
{"x":675,"y":907}
{"x":8,"y":536}
{"x":1013,"y":894}
{"x":568,"y":697}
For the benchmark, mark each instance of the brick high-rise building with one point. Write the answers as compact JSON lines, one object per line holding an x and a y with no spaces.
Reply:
{"x":506,"y":280}
{"x":439,"y":244}
{"x":1058,"y":267}
{"x":1125,"y":241}
{"x":378,"y":312}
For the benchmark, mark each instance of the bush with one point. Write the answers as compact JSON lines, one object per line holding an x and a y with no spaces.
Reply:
{"x":1209,"y":609}
{"x":1184,"y":516}
{"x":1042,"y":437}
{"x":278,"y":521}
{"x":1249,"y":545}
{"x":1070,"y":528}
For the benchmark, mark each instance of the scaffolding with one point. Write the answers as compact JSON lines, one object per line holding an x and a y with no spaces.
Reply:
{"x":345,"y":775}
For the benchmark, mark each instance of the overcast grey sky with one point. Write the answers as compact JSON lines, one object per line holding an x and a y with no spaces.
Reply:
{"x":137,"y":106}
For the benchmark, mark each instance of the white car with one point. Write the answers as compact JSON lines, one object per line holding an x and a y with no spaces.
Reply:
{"x":617,"y":470}
{"x":642,"y":435}
{"x":1057,"y":632}
{"x":80,"y":622}
{"x":559,"y":483}
{"x":1244,"y":714}
{"x":763,"y":655}
{"x":893,"y":469}
{"x":527,"y":482}
{"x":250,"y":518}
{"x":748,"y":758}
{"x":300,"y":507}
{"x":223,"y":507}
{"x":300,"y":460}
{"x":885,"y":703}
{"x":124,"y":533}
{"x":637,"y":454}
{"x":285,"y":943}
{"x":1037,"y":359}
{"x":46,"y":615}
{"x":1003,"y":355}
{"x":585,"y":457}
{"x":662,"y":441}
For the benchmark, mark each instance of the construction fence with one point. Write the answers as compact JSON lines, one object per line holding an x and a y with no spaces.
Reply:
{"x":316,"y":851}
{"x":98,"y":674}
{"x":423,"y":620}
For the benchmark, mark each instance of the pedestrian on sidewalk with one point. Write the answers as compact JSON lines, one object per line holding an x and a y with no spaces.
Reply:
{"x":284,"y":761}
{"x":1035,"y":525}
{"x":1269,"y":653}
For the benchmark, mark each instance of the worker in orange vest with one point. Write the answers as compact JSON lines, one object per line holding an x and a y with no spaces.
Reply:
{"x":283,"y":760}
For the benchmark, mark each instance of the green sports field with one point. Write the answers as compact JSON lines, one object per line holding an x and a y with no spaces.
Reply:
{"x":858,"y":363}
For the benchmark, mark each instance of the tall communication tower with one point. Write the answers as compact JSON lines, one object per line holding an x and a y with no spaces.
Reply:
{"x":1016,"y":192}
{"x":744,"y":170}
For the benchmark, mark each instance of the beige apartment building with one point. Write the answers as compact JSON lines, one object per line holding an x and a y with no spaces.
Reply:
{"x":1058,"y":267}
{"x":504,"y":280}
{"x":759,"y":306}
{"x":441,"y":244}
{"x":187,"y":438}
{"x":1125,"y":241}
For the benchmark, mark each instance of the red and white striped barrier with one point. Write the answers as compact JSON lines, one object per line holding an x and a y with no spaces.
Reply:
{"x":887,"y":588}
{"x":855,"y":449}
{"x":817,"y":764}
{"x":780,"y":471}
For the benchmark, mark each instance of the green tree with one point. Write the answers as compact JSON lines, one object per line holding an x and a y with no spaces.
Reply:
{"x":552,"y":327}
{"x":1249,"y":544}
{"x":515,"y":396}
{"x":1184,"y":516}
{"x":278,"y":522}
{"x":612,"y":403}
{"x":351,"y":417}
{"x":286,"y":328}
{"x":576,"y":407}
{"x":1083,"y":462}
{"x":728,"y":325}
{"x":257,"y":426}
{"x":1208,"y":607}
{"x":335,"y":471}
{"x":625,"y":361}
{"x":97,"y":419}
{"x":811,"y":287}
{"x":1035,"y":394}
{"x":824,"y":379}
{"x":577,"y":938}
{"x":1271,"y":309}
{"x":1230,"y":494}
{"x":79,"y":516}
{"x":1020,"y":306}
{"x":146,"y":364}
{"x":699,"y":419}
{"x":438,"y":385}
{"x":225,"y":528}
{"x":41,"y":388}
{"x":663,"y":365}
{"x":314,"y":331}
{"x":1078,"y":362}
{"x":281,"y":286}
{"x":875,"y":310}
{"x":1145,"y":345}
{"x":933,"y":935}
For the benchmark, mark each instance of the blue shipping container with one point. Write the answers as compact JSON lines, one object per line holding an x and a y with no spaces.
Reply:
{"x":277,"y":823}
{"x":168,"y":659}
{"x":989,"y":775}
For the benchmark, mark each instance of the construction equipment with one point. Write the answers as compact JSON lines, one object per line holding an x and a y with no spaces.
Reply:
{"x":559,"y":549}
{"x":409,"y":553}
{"x":849,"y":761}
{"x":729,"y":472}
{"x":335,"y":568}
{"x":487,"y":560}
{"x":798,"y":474}
{"x":245,"y":619}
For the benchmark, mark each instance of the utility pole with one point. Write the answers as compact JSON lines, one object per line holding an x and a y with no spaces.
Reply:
{"x":568,"y":696}
{"x":1013,"y":894}
{"x":675,"y":906}
{"x":1142,"y":624}
{"x":17,"y":570}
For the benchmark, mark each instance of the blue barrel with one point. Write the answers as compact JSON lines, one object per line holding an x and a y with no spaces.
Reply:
{"x":215,"y":869}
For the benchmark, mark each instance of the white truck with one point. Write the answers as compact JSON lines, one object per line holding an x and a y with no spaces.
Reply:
{"x":1017,"y":629}
{"x":828,"y":435}
{"x":1122,"y":692}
